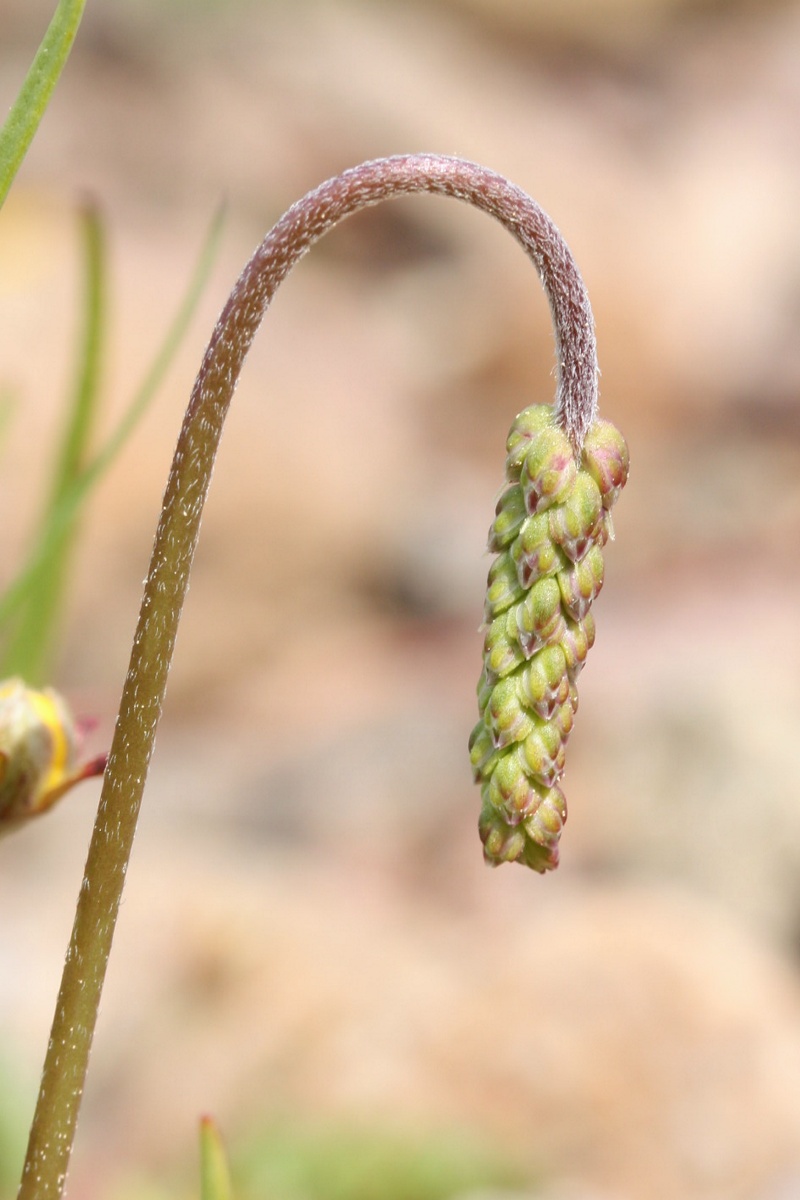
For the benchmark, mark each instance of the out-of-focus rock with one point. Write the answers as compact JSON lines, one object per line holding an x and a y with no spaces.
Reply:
{"x":634,"y":1041}
{"x":598,"y":23}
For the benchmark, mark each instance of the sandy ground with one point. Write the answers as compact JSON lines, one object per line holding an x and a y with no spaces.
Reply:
{"x":308,"y":927}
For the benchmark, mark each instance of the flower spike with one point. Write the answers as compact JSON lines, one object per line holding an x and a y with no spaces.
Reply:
{"x":540,"y":590}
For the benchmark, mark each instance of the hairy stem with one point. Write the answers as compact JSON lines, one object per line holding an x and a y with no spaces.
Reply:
{"x":84,"y":971}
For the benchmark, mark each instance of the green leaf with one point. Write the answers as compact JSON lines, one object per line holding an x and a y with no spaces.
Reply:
{"x":29,"y":107}
{"x":7,"y":405}
{"x":215,"y":1179}
{"x":304,"y":1160}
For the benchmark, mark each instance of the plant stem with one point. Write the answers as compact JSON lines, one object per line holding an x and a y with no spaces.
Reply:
{"x":165,"y":589}
{"x":28,"y":109}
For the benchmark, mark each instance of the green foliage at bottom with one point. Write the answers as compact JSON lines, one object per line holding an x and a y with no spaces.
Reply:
{"x":358,"y":1163}
{"x":15,"y":1102}
{"x":299,"y":1160}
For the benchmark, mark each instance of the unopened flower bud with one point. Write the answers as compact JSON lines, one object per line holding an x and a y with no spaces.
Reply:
{"x":503,"y":588}
{"x":38,"y":752}
{"x":544,"y":682}
{"x":527,"y":425}
{"x":501,"y":652}
{"x":542,"y":753}
{"x":509,"y":515}
{"x":505,"y":716}
{"x":575,"y":523}
{"x":511,"y":791}
{"x":605,"y":457}
{"x":580,"y":585}
{"x":483,"y":754}
{"x":501,"y":842}
{"x":576,"y":642}
{"x":538,"y":618}
{"x":548,"y":470}
{"x":534,"y":552}
{"x":563,"y":719}
{"x":544,"y":826}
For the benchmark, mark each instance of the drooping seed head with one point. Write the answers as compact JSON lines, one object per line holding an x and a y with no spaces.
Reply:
{"x":550,"y":528}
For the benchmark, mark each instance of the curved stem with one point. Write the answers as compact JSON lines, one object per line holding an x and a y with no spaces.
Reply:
{"x":176,"y":538}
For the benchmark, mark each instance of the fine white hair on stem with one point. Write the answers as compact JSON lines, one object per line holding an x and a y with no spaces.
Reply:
{"x":385,"y":178}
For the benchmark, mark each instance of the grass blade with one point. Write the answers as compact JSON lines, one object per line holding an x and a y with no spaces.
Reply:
{"x":7,"y":405}
{"x":74,"y":483}
{"x":215,"y":1179}
{"x":28,"y":109}
{"x":30,"y":645}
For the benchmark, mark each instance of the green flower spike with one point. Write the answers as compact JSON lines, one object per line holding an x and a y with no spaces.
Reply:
{"x":540,"y":591}
{"x":38,"y":750}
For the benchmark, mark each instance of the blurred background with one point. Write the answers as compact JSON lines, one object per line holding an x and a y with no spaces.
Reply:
{"x":310,"y":946}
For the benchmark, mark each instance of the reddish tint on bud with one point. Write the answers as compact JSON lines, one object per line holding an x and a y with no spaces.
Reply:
{"x":605,"y":457}
{"x":503,"y":588}
{"x":582,"y":584}
{"x":534,"y":552}
{"x":511,"y":792}
{"x":501,"y":653}
{"x":506,"y":717}
{"x":542,"y":754}
{"x":537,"y":619}
{"x":509,"y":515}
{"x":527,"y":425}
{"x":575,"y":523}
{"x":548,"y":470}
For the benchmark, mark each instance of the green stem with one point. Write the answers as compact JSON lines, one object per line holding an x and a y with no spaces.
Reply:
{"x":165,"y":588}
{"x":28,"y":109}
{"x":215,"y":1178}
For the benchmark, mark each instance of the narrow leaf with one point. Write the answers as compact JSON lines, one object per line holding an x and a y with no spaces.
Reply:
{"x":215,"y":1179}
{"x":77,"y":486}
{"x":28,"y":109}
{"x":29,"y":649}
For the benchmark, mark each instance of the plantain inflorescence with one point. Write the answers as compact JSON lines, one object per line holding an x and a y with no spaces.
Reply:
{"x":550,"y":527}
